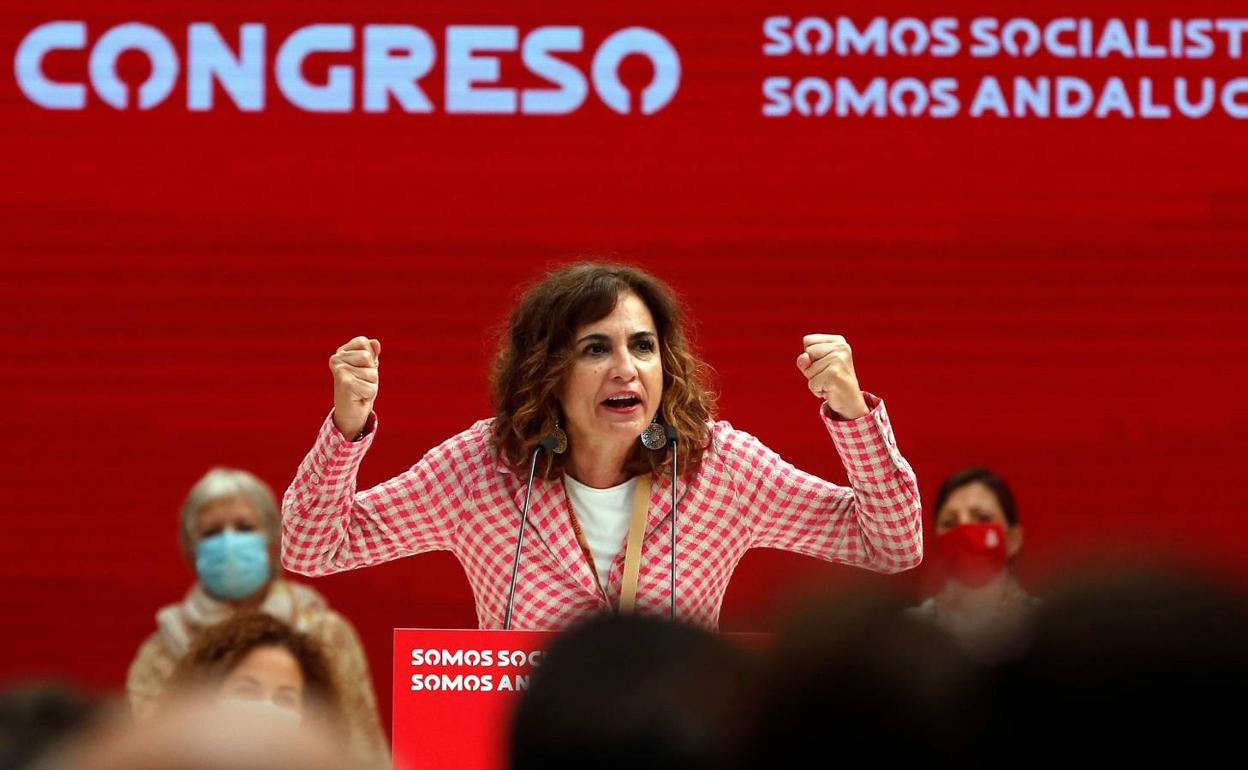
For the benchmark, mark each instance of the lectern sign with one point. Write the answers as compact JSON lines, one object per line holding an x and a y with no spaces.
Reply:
{"x":453,"y":695}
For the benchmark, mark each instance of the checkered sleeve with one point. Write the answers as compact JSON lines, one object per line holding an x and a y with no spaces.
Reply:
{"x":874,"y":523}
{"x":327,"y":526}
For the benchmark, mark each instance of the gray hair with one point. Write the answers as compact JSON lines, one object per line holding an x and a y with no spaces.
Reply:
{"x":222,"y":484}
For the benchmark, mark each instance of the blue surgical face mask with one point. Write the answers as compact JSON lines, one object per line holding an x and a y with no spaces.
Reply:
{"x":233,"y":565}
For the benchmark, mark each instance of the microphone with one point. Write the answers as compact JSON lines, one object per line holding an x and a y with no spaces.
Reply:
{"x":670,"y":433}
{"x":556,"y":443}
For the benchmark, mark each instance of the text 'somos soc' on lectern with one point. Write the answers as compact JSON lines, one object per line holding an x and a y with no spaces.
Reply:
{"x":454,"y":692}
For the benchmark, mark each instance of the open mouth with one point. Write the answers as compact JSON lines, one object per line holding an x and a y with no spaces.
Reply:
{"x":622,"y":403}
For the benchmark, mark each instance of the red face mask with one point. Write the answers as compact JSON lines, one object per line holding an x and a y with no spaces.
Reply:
{"x":972,"y":554}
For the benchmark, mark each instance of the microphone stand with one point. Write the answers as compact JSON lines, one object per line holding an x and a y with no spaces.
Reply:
{"x":545,"y":444}
{"x":671,"y":440}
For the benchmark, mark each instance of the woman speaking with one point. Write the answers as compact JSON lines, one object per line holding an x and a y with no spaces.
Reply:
{"x":597,"y":396}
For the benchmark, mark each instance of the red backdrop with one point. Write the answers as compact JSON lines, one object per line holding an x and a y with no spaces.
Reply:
{"x":1062,"y":299}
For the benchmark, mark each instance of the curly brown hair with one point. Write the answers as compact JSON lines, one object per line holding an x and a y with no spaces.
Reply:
{"x":537,"y":350}
{"x":219,"y":649}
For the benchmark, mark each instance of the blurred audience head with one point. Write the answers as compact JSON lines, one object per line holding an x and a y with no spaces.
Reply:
{"x":629,"y":691}
{"x":258,"y":664}
{"x":1128,"y":664}
{"x":38,"y":718}
{"x":855,"y":679}
{"x":199,"y":733}
{"x":230,"y":532}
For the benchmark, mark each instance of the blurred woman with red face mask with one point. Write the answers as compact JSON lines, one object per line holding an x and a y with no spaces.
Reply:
{"x":978,"y":600}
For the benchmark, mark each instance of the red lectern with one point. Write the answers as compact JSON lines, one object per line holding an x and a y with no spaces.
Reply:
{"x":453,"y":695}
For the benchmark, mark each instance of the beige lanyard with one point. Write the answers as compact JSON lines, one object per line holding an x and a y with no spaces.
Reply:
{"x":632,"y":547}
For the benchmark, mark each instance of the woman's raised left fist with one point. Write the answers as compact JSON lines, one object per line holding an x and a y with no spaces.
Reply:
{"x":827,"y":362}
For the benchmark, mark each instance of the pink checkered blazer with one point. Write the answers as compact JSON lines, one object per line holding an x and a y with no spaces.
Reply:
{"x":460,"y":498}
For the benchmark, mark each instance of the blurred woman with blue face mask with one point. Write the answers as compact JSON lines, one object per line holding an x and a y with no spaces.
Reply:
{"x":232,"y":552}
{"x":230,"y":533}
